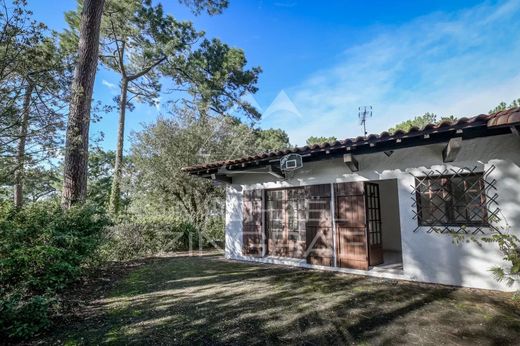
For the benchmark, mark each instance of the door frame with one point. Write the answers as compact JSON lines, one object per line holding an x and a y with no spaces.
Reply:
{"x":379,"y":221}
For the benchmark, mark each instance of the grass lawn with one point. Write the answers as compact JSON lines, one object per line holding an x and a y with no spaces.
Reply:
{"x":209,"y":300}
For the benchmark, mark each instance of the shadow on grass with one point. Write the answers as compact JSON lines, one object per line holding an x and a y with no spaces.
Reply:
{"x":208,"y":300}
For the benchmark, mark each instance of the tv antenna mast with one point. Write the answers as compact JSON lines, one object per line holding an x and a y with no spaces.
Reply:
{"x":364,"y":113}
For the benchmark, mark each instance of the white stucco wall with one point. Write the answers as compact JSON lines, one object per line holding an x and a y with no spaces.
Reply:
{"x":427,"y":257}
{"x":233,"y":234}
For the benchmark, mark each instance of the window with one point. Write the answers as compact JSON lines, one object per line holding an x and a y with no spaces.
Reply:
{"x":451,"y":200}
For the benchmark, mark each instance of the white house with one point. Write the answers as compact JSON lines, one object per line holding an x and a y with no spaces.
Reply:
{"x":383,"y":205}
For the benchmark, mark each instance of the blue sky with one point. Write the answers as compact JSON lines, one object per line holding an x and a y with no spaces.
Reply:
{"x":321,"y":60}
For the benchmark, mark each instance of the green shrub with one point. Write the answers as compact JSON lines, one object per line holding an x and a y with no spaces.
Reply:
{"x":43,"y":250}
{"x":147,"y":236}
{"x":214,"y":230}
{"x":23,"y":315}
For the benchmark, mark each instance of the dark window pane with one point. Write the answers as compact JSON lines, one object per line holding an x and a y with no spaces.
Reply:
{"x":456,"y":200}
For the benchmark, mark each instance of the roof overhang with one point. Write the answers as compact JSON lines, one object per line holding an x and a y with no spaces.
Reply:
{"x":505,"y":122}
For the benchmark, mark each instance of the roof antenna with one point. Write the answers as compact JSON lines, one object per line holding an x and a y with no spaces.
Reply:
{"x":364,"y":113}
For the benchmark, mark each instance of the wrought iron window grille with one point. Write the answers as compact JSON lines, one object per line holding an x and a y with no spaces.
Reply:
{"x":440,"y":220}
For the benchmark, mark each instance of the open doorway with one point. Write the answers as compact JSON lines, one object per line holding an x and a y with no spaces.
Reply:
{"x":390,"y":225}
{"x":368,"y":234}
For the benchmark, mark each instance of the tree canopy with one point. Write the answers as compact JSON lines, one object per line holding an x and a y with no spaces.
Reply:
{"x":420,"y":122}
{"x":319,"y":140}
{"x":271,"y":140}
{"x":35,"y":78}
{"x":431,"y":118}
{"x":502,"y":106}
{"x":143,"y":44}
{"x":159,"y":152}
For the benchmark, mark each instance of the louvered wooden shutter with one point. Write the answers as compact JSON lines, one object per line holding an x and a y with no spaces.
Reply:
{"x":318,"y":236}
{"x":275,"y":222}
{"x":252,"y":238}
{"x":351,"y":232}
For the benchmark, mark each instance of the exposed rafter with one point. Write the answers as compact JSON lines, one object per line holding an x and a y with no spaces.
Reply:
{"x":275,"y":171}
{"x":351,"y":162}
{"x":221,"y":178}
{"x":452,"y":149}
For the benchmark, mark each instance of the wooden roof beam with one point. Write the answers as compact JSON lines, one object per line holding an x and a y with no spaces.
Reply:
{"x":275,"y":171}
{"x":351,"y":162}
{"x":452,"y":149}
{"x":221,"y":178}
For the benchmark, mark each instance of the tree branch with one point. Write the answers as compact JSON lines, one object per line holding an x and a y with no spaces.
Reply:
{"x":146,"y":70}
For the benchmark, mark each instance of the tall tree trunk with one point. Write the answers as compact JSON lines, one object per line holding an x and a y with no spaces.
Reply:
{"x":76,"y":146}
{"x":20,"y":154}
{"x":115,"y":194}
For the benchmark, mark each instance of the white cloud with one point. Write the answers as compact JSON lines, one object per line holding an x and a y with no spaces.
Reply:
{"x":462,"y":63}
{"x":108,"y":84}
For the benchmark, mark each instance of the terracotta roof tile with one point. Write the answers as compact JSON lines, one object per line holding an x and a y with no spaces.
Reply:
{"x":503,"y":118}
{"x":506,"y":117}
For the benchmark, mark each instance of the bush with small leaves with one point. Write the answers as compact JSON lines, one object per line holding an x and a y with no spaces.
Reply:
{"x":43,"y":250}
{"x":147,"y":236}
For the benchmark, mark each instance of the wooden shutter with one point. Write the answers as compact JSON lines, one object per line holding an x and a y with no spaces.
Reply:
{"x":286,"y":214}
{"x":351,"y":232}
{"x":252,"y":237}
{"x":319,"y":225}
{"x":296,"y":218}
{"x":276,"y":222}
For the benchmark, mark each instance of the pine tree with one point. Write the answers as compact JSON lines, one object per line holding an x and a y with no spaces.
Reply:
{"x":76,"y":147}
